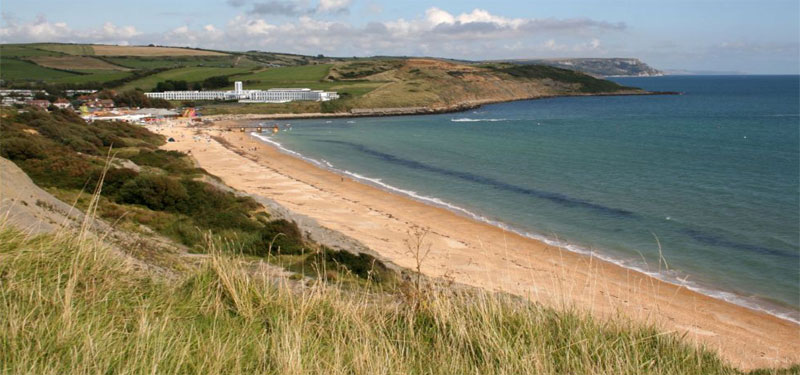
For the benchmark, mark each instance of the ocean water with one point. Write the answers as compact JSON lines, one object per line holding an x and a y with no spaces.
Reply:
{"x":712,"y":176}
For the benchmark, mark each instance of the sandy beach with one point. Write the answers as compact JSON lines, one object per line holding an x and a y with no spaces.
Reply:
{"x":477,"y":254}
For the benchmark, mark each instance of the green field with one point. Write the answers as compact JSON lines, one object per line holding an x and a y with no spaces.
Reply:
{"x":137,"y":62}
{"x":305,"y":73}
{"x":190,"y":74}
{"x":24,"y":50}
{"x":12,"y":69}
{"x":98,"y":76}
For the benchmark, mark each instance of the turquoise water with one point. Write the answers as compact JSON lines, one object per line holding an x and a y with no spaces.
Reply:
{"x":711,"y":175}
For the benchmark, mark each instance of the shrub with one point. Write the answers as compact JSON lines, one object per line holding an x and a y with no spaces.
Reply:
{"x":587,"y":83}
{"x":170,"y":161}
{"x":362,"y":265}
{"x":283,"y":235}
{"x":114,"y":180}
{"x":159,"y":193}
{"x":21,"y":149}
{"x":216,"y":209}
{"x":59,"y":170}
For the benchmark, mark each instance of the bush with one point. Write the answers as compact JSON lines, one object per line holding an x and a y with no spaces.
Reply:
{"x":21,"y":149}
{"x":362,"y":265}
{"x":216,"y":209}
{"x":170,"y":161}
{"x":588,"y":84}
{"x":160,"y":193}
{"x":114,"y":180}
{"x":60,"y":170}
{"x":284,"y":236}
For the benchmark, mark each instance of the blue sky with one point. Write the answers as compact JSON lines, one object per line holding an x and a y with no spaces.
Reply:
{"x":743,"y":36}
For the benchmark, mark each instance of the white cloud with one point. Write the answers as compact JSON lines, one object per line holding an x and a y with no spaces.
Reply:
{"x":478,"y":34}
{"x":42,"y":30}
{"x":334,"y":6}
{"x":436,"y":16}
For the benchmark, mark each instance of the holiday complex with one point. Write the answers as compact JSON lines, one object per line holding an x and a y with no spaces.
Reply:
{"x":249,"y":96}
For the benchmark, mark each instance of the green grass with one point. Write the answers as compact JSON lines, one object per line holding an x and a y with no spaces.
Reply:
{"x":190,"y":74}
{"x":588,"y":84}
{"x":137,"y":62}
{"x":18,"y":70}
{"x":74,"y":306}
{"x":70,"y":49}
{"x":304,"y":73}
{"x":24,"y":50}
{"x":98,"y":76}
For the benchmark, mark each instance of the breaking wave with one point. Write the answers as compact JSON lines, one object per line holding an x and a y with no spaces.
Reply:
{"x":466,"y":119}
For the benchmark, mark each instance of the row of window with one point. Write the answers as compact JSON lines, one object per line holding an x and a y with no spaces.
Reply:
{"x":256,"y":96}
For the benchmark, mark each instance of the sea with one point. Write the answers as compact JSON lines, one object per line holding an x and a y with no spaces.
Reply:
{"x":699,"y":189}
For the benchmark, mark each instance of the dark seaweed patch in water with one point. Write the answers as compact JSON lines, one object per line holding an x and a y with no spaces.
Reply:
{"x":714,"y":240}
{"x":550,"y":196}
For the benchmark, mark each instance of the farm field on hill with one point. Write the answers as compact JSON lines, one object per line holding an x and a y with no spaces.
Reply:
{"x":25,"y":50}
{"x":106,"y":50}
{"x":190,"y":74}
{"x":75,"y":63}
{"x":69,"y":49}
{"x":305,"y":73}
{"x":150,"y":62}
{"x":94,"y":76}
{"x":12,"y":69}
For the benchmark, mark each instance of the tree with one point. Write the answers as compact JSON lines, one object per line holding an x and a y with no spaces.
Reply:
{"x":137,"y":98}
{"x":215,"y":82}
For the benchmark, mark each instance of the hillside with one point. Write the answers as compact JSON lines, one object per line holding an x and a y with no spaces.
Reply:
{"x":241,"y":290}
{"x":599,"y":67}
{"x":73,"y":66}
{"x":371,"y":84}
{"x":435,"y":83}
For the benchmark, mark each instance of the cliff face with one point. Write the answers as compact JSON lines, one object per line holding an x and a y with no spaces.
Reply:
{"x":600,"y":67}
{"x":440,"y":84}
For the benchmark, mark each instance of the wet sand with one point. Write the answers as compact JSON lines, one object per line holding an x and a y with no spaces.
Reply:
{"x":477,"y":254}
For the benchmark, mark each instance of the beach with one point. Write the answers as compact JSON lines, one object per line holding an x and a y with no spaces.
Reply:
{"x":474,"y":253}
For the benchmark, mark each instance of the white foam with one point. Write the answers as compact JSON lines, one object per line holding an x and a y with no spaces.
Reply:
{"x":666,"y":276}
{"x":286,"y":150}
{"x":466,"y":119}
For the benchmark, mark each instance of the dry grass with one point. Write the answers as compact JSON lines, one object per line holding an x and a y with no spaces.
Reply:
{"x":70,"y":305}
{"x":108,"y":50}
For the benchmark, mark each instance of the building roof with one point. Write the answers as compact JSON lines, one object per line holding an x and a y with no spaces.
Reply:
{"x":155,"y":112}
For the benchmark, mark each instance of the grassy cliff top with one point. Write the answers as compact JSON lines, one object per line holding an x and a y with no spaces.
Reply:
{"x":75,"y":306}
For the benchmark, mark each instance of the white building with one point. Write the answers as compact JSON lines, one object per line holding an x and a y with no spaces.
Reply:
{"x":249,"y":96}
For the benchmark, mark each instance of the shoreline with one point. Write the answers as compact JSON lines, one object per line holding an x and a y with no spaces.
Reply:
{"x":415,"y":111}
{"x":479,"y":254}
{"x":707,"y":290}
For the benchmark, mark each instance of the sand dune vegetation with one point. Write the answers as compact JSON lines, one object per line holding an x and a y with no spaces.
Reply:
{"x":72,"y":305}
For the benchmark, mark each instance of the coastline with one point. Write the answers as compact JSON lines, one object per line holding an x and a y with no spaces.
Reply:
{"x":767,"y":306}
{"x":415,"y":111}
{"x":478,"y":254}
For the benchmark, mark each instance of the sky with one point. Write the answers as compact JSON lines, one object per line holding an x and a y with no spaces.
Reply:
{"x":759,"y":37}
